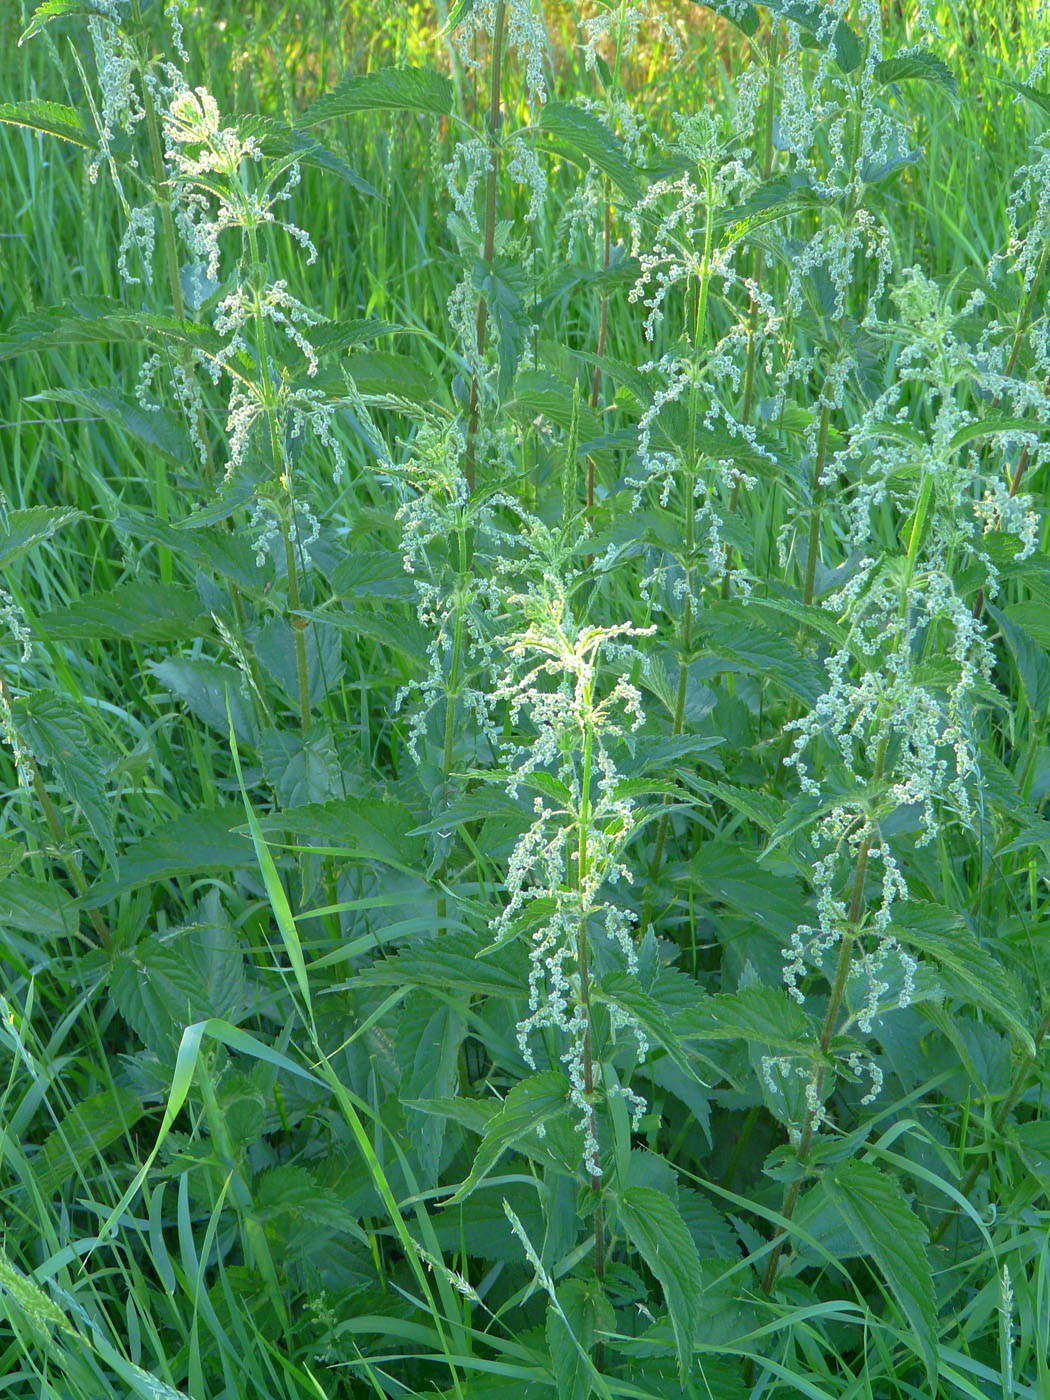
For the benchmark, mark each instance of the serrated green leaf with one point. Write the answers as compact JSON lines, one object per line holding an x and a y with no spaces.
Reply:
{"x":654,"y":1227}
{"x":277,"y":140}
{"x":139,"y":610}
{"x":22,"y":530}
{"x":385,"y":90}
{"x":40,"y":907}
{"x":967,"y":970}
{"x":159,"y":430}
{"x":585,"y":135}
{"x":195,"y":843}
{"x":922,"y":67}
{"x":574,"y":1325}
{"x":756,"y":1014}
{"x":885,"y":1227}
{"x":302,"y":765}
{"x":1033,"y":665}
{"x":203,"y":687}
{"x":87,"y":1130}
{"x":59,"y":9}
{"x":51,"y":118}
{"x":55,"y":732}
{"x":429,"y":1034}
{"x":372,"y":829}
{"x":453,"y":963}
{"x":528,"y":1106}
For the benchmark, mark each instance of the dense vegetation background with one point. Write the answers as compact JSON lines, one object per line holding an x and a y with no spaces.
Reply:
{"x":524,"y":619}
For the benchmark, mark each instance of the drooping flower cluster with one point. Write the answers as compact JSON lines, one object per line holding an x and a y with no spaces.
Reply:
{"x":562,"y":870}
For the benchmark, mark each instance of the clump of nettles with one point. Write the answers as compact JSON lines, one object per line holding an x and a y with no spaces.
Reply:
{"x":217,"y":181}
{"x":893,"y":719}
{"x":450,"y":543}
{"x":569,"y":860}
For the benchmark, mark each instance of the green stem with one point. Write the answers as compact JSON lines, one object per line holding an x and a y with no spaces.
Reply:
{"x":689,"y":485}
{"x":817,"y":501}
{"x":831,"y":1016}
{"x":491,"y":178}
{"x":281,"y":469}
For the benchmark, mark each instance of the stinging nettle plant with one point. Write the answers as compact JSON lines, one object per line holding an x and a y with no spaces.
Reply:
{"x":570,"y":928}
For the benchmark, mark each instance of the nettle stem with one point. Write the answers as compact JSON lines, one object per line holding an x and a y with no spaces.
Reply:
{"x":169,"y":242}
{"x":282,"y":468}
{"x":689,"y":540}
{"x":817,"y":500}
{"x":491,"y":180}
{"x":831,"y":1016}
{"x":582,"y":965}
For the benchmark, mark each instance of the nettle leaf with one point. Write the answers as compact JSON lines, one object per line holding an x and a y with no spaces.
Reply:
{"x":574,"y":1325}
{"x":660,"y":1235}
{"x":813,"y":19}
{"x":162,"y":987}
{"x":206,"y":688}
{"x":159,"y":430}
{"x":301,"y":765}
{"x":452,"y":963}
{"x":51,"y":118}
{"x":502,"y":285}
{"x":921,"y":67}
{"x":625,"y":992}
{"x":429,"y":1034}
{"x":22,"y":530}
{"x":277,"y":140}
{"x":224,"y":552}
{"x":195,"y":843}
{"x":40,"y":907}
{"x":967,"y":970}
{"x":887,"y":1229}
{"x":1033,"y":665}
{"x":139,"y":610}
{"x":376,"y":828}
{"x":55,"y":732}
{"x":764,"y":650}
{"x":1033,"y":94}
{"x":85,"y":1132}
{"x":582,"y":134}
{"x":528,"y":1106}
{"x":61,"y":9}
{"x":739,"y":12}
{"x":385,"y":90}
{"x":756,"y":1014}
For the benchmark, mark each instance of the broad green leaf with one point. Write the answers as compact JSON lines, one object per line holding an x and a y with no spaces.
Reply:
{"x":85,"y":1132}
{"x":21,"y":530}
{"x":160,"y":430}
{"x":582,"y":134}
{"x":428,"y":1036}
{"x":756,"y":1014}
{"x":452,"y":963}
{"x":277,"y":140}
{"x":301,"y":766}
{"x":60,"y":9}
{"x":527,"y":1107}
{"x":40,"y":907}
{"x":196,"y":843}
{"x":1034,"y":95}
{"x":919,"y":66}
{"x":625,"y":992}
{"x":821,"y":29}
{"x":203,"y":686}
{"x":885,"y":1226}
{"x":55,"y":732}
{"x":574,"y":1326}
{"x":372,"y":827}
{"x":1033,"y":665}
{"x":385,"y":90}
{"x":52,"y":118}
{"x":162,"y":987}
{"x":502,"y":285}
{"x":660,"y":1235}
{"x":740,"y":12}
{"x":139,"y":610}
{"x":967,"y":970}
